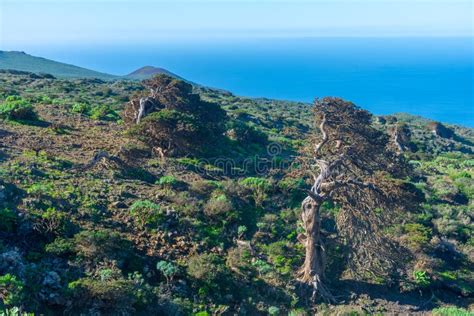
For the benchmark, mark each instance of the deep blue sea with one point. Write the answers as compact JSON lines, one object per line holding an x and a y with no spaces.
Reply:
{"x":431,"y":77}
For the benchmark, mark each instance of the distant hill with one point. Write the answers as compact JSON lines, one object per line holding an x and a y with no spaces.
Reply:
{"x":25,"y":62}
{"x":149,"y":71}
{"x":21,"y":61}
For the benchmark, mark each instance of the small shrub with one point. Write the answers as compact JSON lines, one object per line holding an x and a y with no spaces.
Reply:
{"x":39,"y":190}
{"x":297,"y":312}
{"x":94,"y":246}
{"x":168,"y":182}
{"x":259,"y":186}
{"x":241,"y":230}
{"x":421,"y":278}
{"x":52,"y":222}
{"x":168,"y":269}
{"x":217,"y":206}
{"x":451,"y":311}
{"x":204,"y":187}
{"x":14,"y":311}
{"x":448,"y":275}
{"x":103,"y":112}
{"x":11,"y":289}
{"x":107,"y":296}
{"x":273,"y":310}
{"x":146,"y":212}
{"x":44,"y":99}
{"x":60,"y":247}
{"x":246,"y":134}
{"x":17,"y":109}
{"x":81,"y":108}
{"x":239,"y":259}
{"x":279,"y":255}
{"x":262,"y":267}
{"x":207,"y":268}
{"x":418,"y":236}
{"x":290,"y":184}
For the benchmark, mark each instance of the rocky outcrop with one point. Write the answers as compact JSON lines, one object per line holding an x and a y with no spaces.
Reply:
{"x":401,"y":138}
{"x":440,"y":130}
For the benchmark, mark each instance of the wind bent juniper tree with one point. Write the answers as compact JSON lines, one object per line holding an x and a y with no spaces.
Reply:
{"x":172,"y":119}
{"x":352,"y":166}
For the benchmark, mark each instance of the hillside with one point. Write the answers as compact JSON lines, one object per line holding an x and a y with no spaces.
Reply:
{"x":24,"y":62}
{"x":148,"y":72}
{"x":196,"y":209}
{"x":20,"y":61}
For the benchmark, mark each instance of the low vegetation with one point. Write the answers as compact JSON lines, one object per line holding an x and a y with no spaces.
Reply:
{"x":193,"y":207}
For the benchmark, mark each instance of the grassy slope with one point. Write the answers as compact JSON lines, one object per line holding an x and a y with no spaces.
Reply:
{"x":24,"y":62}
{"x":228,"y":277}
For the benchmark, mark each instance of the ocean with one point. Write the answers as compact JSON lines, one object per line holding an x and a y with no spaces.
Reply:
{"x":431,"y":77}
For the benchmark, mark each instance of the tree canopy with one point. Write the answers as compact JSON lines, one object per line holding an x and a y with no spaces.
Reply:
{"x":353,"y":166}
{"x":174,"y":120}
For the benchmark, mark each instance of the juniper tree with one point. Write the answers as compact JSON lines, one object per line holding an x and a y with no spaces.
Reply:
{"x":352,"y":165}
{"x":172,"y":119}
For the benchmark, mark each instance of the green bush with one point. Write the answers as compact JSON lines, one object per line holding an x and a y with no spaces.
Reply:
{"x":207,"y":268}
{"x":114,"y":296}
{"x":39,"y":190}
{"x":279,"y":254}
{"x":52,"y":221}
{"x":218,"y":206}
{"x":273,"y":310}
{"x":168,"y":269}
{"x":262,"y":267}
{"x":60,"y":247}
{"x":246,"y":134}
{"x":418,"y":236}
{"x":103,"y":112}
{"x":15,"y":311}
{"x":94,"y":246}
{"x":168,"y":182}
{"x":291,"y":184}
{"x":81,"y":108}
{"x":169,"y":130}
{"x":11,"y":289}
{"x":451,"y":311}
{"x":241,"y":230}
{"x":239,"y":259}
{"x":97,"y":112}
{"x":44,"y":99}
{"x":17,"y":109}
{"x":421,"y":278}
{"x":146,"y":213}
{"x":259,"y":186}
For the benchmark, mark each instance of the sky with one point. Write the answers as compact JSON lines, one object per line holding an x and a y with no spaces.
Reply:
{"x":68,"y":22}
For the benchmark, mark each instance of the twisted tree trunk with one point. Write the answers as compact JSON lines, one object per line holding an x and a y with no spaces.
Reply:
{"x":313,"y":270}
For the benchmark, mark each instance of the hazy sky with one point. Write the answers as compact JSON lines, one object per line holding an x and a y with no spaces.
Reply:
{"x":36,"y":22}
